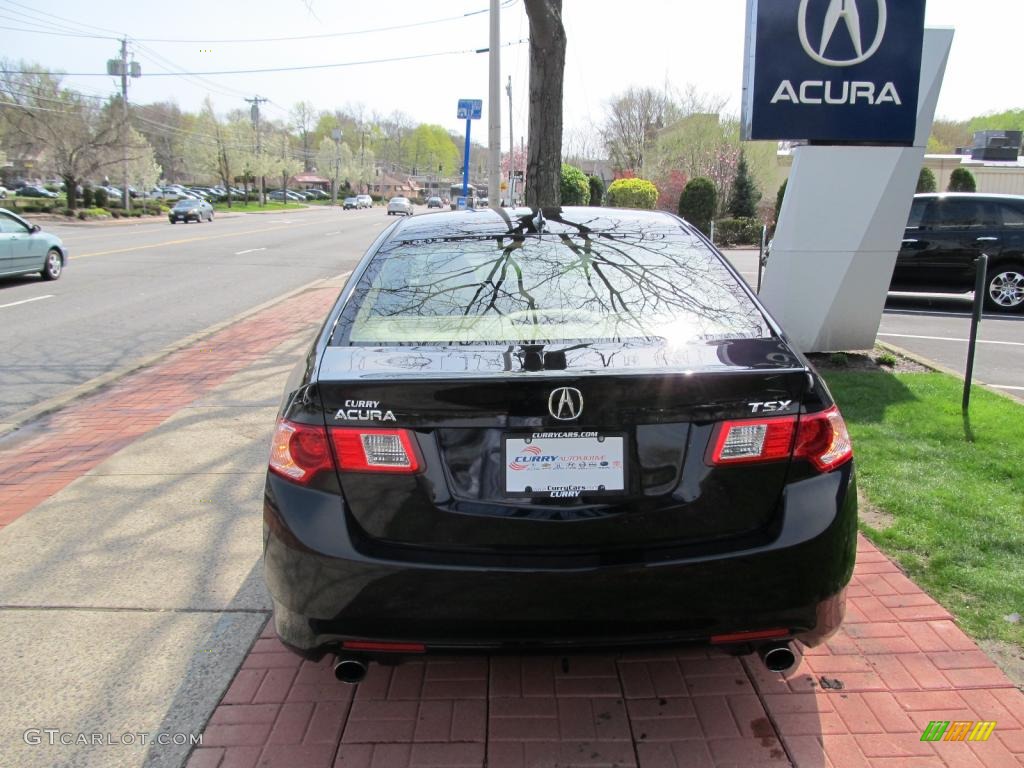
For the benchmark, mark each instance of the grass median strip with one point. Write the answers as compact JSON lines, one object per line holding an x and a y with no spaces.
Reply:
{"x":957,"y":503}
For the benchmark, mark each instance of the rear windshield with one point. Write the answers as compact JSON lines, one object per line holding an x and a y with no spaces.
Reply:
{"x":548,"y":289}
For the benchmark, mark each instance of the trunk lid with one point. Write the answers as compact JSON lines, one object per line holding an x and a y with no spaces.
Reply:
{"x":478,"y":411}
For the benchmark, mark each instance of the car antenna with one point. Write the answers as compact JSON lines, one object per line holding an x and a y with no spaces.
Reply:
{"x":539,"y":221}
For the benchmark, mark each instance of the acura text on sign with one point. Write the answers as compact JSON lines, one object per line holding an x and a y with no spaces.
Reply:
{"x":833,"y":70}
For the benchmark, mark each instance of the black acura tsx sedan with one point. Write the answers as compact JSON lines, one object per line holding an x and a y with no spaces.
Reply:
{"x":562,"y":429}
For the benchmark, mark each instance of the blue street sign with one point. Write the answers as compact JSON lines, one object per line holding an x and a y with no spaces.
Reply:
{"x":470,"y":109}
{"x":833,"y":70}
{"x":460,"y":203}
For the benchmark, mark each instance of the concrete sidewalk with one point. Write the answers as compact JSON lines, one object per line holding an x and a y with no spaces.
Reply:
{"x":130,"y":594}
{"x":132,"y":603}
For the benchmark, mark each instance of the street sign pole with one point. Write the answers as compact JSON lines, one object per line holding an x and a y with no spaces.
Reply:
{"x":465,"y":161}
{"x":469,"y":110}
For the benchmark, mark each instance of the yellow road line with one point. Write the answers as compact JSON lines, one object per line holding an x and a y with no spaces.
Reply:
{"x":191,"y":240}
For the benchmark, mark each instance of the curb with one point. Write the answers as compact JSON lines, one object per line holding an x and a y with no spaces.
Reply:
{"x":927,"y":362}
{"x":103,"y":381}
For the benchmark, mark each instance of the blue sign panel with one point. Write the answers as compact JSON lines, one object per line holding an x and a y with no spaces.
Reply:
{"x":844,"y":71}
{"x":470,"y":109}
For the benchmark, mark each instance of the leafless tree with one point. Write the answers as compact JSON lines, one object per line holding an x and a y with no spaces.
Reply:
{"x":634,"y":120}
{"x":303,"y":118}
{"x":547,"y":67}
{"x":166,"y":129}
{"x":74,"y":135}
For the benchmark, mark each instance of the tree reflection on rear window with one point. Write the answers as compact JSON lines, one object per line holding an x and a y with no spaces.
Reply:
{"x":550,"y":288}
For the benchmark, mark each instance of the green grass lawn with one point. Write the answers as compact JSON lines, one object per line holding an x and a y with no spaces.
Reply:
{"x":957,"y":505}
{"x":254,"y":207}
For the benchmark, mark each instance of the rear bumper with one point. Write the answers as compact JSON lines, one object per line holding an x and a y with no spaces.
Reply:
{"x":326,"y":590}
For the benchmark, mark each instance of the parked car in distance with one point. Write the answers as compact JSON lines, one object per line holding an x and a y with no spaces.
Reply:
{"x":30,"y":190}
{"x":350,"y":202}
{"x":496,"y":456}
{"x":434,"y":202}
{"x":399,"y":205}
{"x":291,"y":195}
{"x":25,"y":249}
{"x":945,"y":236}
{"x":191,"y":210}
{"x":364,"y":201}
{"x":316,"y":194}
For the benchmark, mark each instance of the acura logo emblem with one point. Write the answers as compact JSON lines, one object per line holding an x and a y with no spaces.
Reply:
{"x":565,"y":403}
{"x":845,"y":11}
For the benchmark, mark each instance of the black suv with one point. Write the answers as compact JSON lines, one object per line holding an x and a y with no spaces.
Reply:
{"x":945,"y":236}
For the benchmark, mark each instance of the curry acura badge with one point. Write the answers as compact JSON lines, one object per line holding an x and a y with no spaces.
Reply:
{"x":847,"y":12}
{"x":565,"y":403}
{"x":363,"y":410}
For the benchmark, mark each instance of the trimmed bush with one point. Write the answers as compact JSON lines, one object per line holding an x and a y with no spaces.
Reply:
{"x":596,"y":189}
{"x":99,"y":197}
{"x":575,"y":186}
{"x":962,"y":180}
{"x":632,"y":193}
{"x":93,"y":213}
{"x":87,"y":197}
{"x":698,"y":203}
{"x":743,"y":231}
{"x":778,"y":200}
{"x":926,"y":181}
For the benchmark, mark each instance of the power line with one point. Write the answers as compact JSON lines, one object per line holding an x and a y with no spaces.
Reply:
{"x":59,"y":34}
{"x":414,"y":57}
{"x":46,"y":16}
{"x":351,"y":33}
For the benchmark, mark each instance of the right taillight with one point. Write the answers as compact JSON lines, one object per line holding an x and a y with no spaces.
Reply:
{"x":822,"y":439}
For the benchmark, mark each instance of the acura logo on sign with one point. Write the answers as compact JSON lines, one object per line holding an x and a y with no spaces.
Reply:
{"x":845,"y":11}
{"x":565,"y":403}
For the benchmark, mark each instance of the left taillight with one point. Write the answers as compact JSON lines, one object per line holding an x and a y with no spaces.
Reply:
{"x":376,"y":450}
{"x":299,"y":451}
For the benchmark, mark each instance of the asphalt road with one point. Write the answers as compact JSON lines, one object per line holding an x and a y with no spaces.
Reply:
{"x":132,"y":290}
{"x":937,"y":327}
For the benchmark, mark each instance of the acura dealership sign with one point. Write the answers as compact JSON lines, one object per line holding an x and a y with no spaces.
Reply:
{"x":843,"y":71}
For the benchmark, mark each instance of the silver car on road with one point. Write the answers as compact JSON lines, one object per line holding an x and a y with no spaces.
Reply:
{"x":25,"y":249}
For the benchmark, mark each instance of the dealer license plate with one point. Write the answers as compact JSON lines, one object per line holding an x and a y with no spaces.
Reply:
{"x":564,"y":464}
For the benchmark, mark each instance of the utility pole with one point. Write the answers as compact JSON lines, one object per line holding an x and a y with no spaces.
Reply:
{"x":494,"y":109}
{"x":127,"y":198}
{"x":511,"y":150}
{"x":336,"y":135}
{"x":255,"y":114}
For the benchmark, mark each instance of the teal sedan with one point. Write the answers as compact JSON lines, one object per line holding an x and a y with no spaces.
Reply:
{"x":25,"y":249}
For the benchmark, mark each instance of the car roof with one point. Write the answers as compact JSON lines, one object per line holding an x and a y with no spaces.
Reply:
{"x":486,"y":222}
{"x":11,"y":214}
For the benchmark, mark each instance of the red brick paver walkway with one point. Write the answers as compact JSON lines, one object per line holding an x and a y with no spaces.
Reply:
{"x":900,"y":660}
{"x":39,"y":461}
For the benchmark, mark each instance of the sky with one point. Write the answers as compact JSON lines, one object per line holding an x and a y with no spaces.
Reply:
{"x":612,"y":45}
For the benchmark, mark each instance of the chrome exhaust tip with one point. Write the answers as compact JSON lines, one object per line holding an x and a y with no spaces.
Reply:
{"x":779,"y":657}
{"x":349,"y":670}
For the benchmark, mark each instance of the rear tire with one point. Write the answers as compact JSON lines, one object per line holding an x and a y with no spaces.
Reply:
{"x":1004,"y":288}
{"x":54,"y":265}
